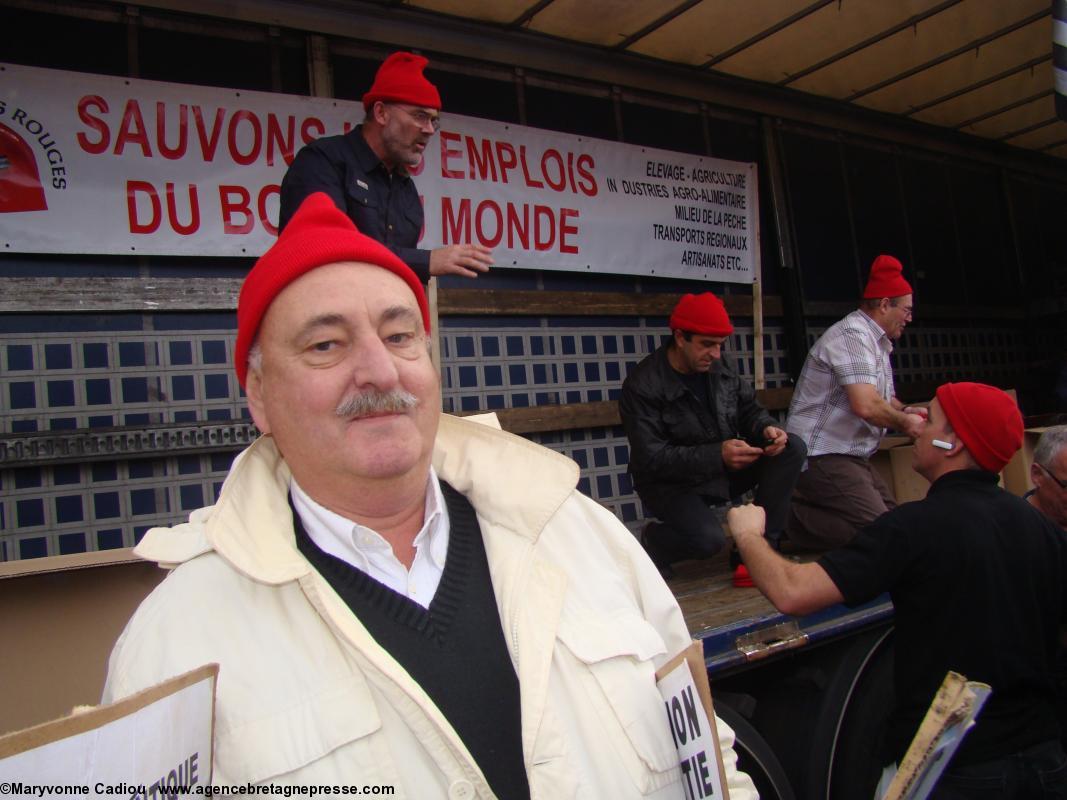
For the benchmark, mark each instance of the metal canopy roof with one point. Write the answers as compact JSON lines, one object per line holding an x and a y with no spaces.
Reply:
{"x":982,"y":67}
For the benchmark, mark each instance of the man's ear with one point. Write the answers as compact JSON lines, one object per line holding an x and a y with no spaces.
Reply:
{"x":379,"y":112}
{"x":256,"y":406}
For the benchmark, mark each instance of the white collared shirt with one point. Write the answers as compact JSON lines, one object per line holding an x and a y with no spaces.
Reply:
{"x":852,"y":350}
{"x":366,"y":550}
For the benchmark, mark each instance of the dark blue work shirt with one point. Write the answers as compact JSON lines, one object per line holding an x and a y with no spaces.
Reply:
{"x":384,"y":205}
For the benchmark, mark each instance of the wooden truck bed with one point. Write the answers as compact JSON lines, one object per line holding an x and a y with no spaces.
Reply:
{"x":739,"y":625}
{"x":708,"y":598}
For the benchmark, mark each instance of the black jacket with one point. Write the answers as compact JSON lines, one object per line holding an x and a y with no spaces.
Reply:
{"x":676,"y":442}
{"x":384,"y":206}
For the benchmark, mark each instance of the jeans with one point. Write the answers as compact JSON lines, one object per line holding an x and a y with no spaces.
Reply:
{"x":688,"y":528}
{"x":1037,"y":773}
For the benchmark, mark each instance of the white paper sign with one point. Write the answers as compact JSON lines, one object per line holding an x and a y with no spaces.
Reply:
{"x":154,"y":744}
{"x":687,"y":706}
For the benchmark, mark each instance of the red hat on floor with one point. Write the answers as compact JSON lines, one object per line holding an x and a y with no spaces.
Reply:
{"x":318,"y":234}
{"x":986,"y":419}
{"x":701,"y":313}
{"x":886,"y":279}
{"x":400,"y":80}
{"x":742,"y":577}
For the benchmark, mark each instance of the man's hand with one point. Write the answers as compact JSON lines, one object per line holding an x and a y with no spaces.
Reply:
{"x":919,"y":410}
{"x":461,"y":259}
{"x":912,"y":425}
{"x":869,"y":406}
{"x":745,"y":521}
{"x":793,"y":588}
{"x":777,"y":439}
{"x":738,"y":454}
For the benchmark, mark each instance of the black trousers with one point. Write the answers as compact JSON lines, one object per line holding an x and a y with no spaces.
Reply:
{"x":690,"y":524}
{"x":1038,"y":773}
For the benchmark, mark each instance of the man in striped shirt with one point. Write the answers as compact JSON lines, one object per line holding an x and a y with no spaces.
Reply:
{"x":842,"y":406}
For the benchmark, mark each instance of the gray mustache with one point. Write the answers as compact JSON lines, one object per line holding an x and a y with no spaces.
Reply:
{"x":360,"y":405}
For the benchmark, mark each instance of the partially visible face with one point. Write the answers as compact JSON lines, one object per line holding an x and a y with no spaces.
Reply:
{"x":406,"y":131}
{"x":924,"y":456}
{"x":1051,"y":497}
{"x":338,"y":333}
{"x":897,"y":316}
{"x":700,"y":353}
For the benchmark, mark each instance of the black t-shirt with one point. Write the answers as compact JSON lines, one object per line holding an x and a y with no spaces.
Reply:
{"x":697,"y":383}
{"x":976,"y":576}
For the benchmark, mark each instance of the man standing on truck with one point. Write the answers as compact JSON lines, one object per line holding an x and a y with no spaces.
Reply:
{"x":398,"y":597}
{"x":365,"y":171}
{"x":978,"y":581}
{"x":842,"y":405}
{"x":698,"y":438}
{"x":1049,"y":495}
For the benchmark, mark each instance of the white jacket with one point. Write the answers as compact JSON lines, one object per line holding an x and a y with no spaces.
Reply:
{"x":306,"y":695}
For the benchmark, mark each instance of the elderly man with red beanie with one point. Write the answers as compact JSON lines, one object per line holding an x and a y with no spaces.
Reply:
{"x":843,"y":403}
{"x":396,"y":597}
{"x":698,"y":438}
{"x":365,"y":171}
{"x":978,"y":580}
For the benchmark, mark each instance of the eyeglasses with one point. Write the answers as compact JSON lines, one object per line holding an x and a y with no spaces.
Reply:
{"x":1061,"y":484}
{"x":906,"y":309}
{"x":422,"y":118}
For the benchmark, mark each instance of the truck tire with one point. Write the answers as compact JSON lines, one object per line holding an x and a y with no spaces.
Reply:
{"x":855,"y":757}
{"x":819,"y":712}
{"x":755,"y":757}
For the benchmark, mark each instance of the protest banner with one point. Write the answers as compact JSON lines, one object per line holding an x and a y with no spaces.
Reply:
{"x":102,"y":164}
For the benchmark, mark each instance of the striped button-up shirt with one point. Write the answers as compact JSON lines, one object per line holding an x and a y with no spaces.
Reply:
{"x":852,"y":350}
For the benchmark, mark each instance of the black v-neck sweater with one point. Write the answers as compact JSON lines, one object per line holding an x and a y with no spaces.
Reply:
{"x":455,"y":650}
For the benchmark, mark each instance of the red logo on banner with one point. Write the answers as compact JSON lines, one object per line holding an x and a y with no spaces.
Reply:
{"x":20,"y":183}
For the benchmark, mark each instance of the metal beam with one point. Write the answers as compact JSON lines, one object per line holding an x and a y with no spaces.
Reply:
{"x":941,"y":59}
{"x":1029,"y":128}
{"x":656,"y":24}
{"x":527,"y":15}
{"x":111,"y":444}
{"x":902,"y":26}
{"x":781,"y":25}
{"x":1033,"y":62}
{"x":998,"y":111}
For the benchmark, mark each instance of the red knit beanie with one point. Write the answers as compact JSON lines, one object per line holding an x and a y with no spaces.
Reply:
{"x":986,"y":419}
{"x":318,"y":234}
{"x":886,"y":279}
{"x":400,"y":80}
{"x":701,"y":313}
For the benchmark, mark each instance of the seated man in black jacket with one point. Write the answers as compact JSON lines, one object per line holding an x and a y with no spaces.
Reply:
{"x":699,"y":438}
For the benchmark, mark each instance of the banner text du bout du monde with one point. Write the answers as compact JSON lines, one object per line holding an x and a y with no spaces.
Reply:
{"x":98,"y":164}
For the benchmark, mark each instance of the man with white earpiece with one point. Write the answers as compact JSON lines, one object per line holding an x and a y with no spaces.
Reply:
{"x":978,"y":581}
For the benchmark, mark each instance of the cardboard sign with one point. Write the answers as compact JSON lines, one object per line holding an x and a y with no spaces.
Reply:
{"x":683,"y":683}
{"x":154,"y":744}
{"x":949,"y":718}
